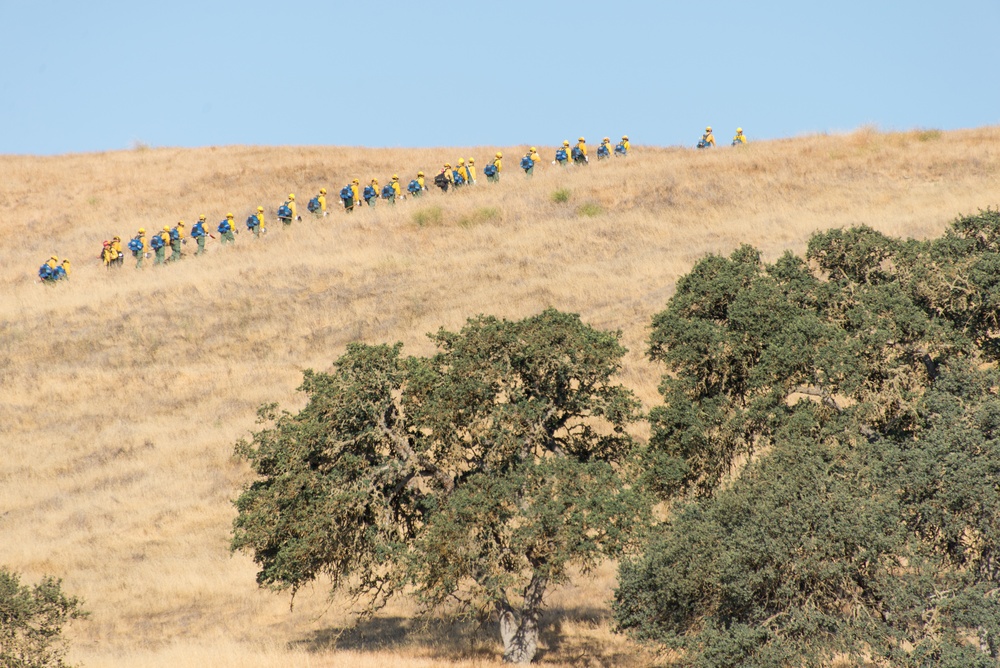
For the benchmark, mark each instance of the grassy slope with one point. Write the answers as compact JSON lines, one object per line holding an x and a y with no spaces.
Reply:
{"x":121,"y":394}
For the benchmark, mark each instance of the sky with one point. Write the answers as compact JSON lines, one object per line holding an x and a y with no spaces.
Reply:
{"x":99,"y":75}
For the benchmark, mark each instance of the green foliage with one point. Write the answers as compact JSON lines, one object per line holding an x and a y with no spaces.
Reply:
{"x":589,"y":210}
{"x":560,"y":196}
{"x":31,"y":622}
{"x":480,"y":216}
{"x":829,"y":437}
{"x":432,"y":215}
{"x":476,"y":476}
{"x":928,"y":135}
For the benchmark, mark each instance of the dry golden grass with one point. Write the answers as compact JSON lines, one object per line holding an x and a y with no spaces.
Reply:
{"x":122,"y":393}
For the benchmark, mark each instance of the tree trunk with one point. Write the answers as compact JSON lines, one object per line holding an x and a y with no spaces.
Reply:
{"x":519,"y":630}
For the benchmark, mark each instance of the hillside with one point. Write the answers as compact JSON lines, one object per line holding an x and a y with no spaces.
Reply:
{"x":122,"y":393}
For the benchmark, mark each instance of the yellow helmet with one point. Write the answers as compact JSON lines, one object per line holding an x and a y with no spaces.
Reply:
{"x":142,"y":230}
{"x":624,"y":137}
{"x":395,"y":177}
{"x":420,"y":173}
{"x":322,"y":191}
{"x":201,"y":217}
{"x":180,"y":223}
{"x":355,"y":181}
{"x":116,"y":238}
{"x":533,"y":149}
{"x":499,"y":154}
{"x":166,"y":228}
{"x":260,"y":209}
{"x":229,"y":215}
{"x":472,"y":161}
{"x":291,"y":195}
{"x":565,"y":142}
{"x":374,"y":180}
{"x":708,"y":129}
{"x":461,"y":161}
{"x":447,"y":164}
{"x":739,"y":131}
{"x":54,"y":258}
{"x":606,"y":140}
{"x":581,"y":139}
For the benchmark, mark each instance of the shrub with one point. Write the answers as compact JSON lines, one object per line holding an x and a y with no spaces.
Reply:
{"x":589,"y":210}
{"x":560,"y":196}
{"x":429,"y":216}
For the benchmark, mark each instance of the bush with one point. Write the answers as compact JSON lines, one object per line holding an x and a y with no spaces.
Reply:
{"x":480,"y":216}
{"x":560,"y":196}
{"x":31,"y":621}
{"x":589,"y":210}
{"x":429,"y":216}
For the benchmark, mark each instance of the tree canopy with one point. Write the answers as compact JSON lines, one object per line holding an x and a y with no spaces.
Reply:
{"x":828,"y":439}
{"x":31,"y":622}
{"x":474,"y":478}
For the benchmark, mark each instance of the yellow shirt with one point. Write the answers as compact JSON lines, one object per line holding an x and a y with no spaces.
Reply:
{"x":322,"y":202}
{"x":166,"y":238}
{"x":741,"y":138}
{"x":65,"y":266}
{"x":354,"y":189}
{"x":180,"y":231}
{"x":395,"y":187}
{"x":708,"y":138}
{"x":582,"y":147}
{"x":291,"y":205}
{"x":145,"y":243}
{"x":535,"y":157}
{"x":626,"y":144}
{"x":497,"y":164}
{"x":420,"y":182}
{"x":260,"y":219}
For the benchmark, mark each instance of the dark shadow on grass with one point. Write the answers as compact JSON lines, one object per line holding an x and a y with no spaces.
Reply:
{"x":467,"y":640}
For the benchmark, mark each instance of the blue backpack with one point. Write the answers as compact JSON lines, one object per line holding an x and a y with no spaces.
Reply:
{"x":414,"y":187}
{"x":58,"y":273}
{"x":284,"y":211}
{"x":252,"y":222}
{"x":197,"y":230}
{"x":175,"y":235}
{"x":346,"y":192}
{"x":577,"y":153}
{"x":561,"y":155}
{"x":490,"y":170}
{"x":156,"y":242}
{"x":313,"y":205}
{"x":457,"y":177}
{"x":620,"y":148}
{"x":224,"y":226}
{"x":387,"y":191}
{"x":369,"y":193}
{"x":603,"y":152}
{"x":527,"y":163}
{"x":135,"y":244}
{"x":45,"y":272}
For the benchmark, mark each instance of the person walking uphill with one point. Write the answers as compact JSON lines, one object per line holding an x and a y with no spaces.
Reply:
{"x":176,"y":239}
{"x":139,"y":247}
{"x":492,"y":170}
{"x":562,"y":154}
{"x":444,"y":178}
{"x":707,"y":139}
{"x":470,"y":171}
{"x":226,"y":230}
{"x":740,"y":139}
{"x":286,"y":212}
{"x":347,"y":197}
{"x":198,"y":233}
{"x":317,"y":205}
{"x":579,"y":152}
{"x":622,"y":147}
{"x":371,"y":193}
{"x":604,"y":150}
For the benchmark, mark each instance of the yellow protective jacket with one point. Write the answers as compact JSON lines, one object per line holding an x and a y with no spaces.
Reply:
{"x":291,"y":205}
{"x":166,"y":238}
{"x":626,"y":144}
{"x":708,"y":138}
{"x":497,"y":162}
{"x":354,"y":189}
{"x":260,"y":220}
{"x":535,"y":157}
{"x":107,"y":254}
{"x":65,"y":266}
{"x":395,"y":188}
{"x":447,"y":174}
{"x":180,"y":231}
{"x":741,"y":138}
{"x":322,"y":203}
{"x":420,"y":182}
{"x":583,"y":147}
{"x":145,"y":243}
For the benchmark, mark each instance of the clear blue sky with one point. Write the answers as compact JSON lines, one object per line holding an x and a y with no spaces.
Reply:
{"x":92,"y":76}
